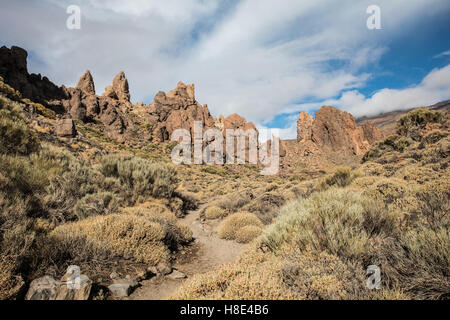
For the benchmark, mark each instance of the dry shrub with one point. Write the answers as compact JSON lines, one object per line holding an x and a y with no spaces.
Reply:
{"x":235,"y":201}
{"x":341,"y":177}
{"x":9,"y":91}
{"x":291,"y":275}
{"x":248,"y":233}
{"x":432,"y":137}
{"x":340,"y":222}
{"x":394,"y":143}
{"x":16,"y":241}
{"x":142,"y":177}
{"x":96,"y":204}
{"x":15,"y":136}
{"x":128,"y":236}
{"x":231,"y":224}
{"x":265,"y":206}
{"x":412,"y":124}
{"x":388,"y":189}
{"x":176,"y":233}
{"x":214,"y":213}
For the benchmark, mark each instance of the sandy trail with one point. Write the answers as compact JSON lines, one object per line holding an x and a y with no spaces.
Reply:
{"x":206,"y":252}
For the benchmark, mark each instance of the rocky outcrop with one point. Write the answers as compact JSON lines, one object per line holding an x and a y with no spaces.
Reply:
{"x":334,"y":132}
{"x":177,"y":109}
{"x":13,"y":69}
{"x":86,"y":84}
{"x":83,"y":104}
{"x":119,"y":89}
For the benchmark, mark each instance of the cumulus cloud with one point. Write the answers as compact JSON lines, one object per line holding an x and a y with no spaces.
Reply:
{"x":253,"y":57}
{"x":435,"y":87}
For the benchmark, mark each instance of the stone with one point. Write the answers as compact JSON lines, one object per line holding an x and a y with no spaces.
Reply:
{"x":132,"y":283}
{"x":44,"y":288}
{"x":65,"y":128}
{"x":122,"y":287}
{"x":175,"y":275}
{"x":114,"y":275}
{"x":66,"y":292}
{"x":120,"y":290}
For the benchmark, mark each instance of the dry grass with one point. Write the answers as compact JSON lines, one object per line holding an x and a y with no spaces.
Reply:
{"x":128,"y":236}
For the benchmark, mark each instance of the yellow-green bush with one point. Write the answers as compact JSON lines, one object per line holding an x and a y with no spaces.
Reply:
{"x":392,"y":143}
{"x":9,"y":91}
{"x":248,"y":233}
{"x":411,"y":124}
{"x":340,"y":222}
{"x":231,"y":224}
{"x":341,"y":177}
{"x":15,"y":136}
{"x":143,"y":177}
{"x":214,"y":213}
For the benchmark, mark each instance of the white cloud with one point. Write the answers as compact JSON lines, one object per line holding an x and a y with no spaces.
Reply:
{"x":435,"y":87}
{"x":442,"y":54}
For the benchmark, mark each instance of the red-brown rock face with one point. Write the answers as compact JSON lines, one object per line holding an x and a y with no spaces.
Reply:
{"x":334,"y":132}
{"x":177,"y":110}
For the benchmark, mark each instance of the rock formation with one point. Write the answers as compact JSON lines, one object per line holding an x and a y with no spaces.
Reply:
{"x":13,"y":69}
{"x":177,"y":109}
{"x":334,"y":132}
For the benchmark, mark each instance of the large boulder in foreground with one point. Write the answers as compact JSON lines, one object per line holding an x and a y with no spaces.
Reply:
{"x":48,"y":288}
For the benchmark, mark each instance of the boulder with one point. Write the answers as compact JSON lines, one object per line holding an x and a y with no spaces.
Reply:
{"x":120,"y":290}
{"x":82,"y":292}
{"x":48,"y":288}
{"x":45,"y":288}
{"x":176,"y":275}
{"x":13,"y":70}
{"x":65,"y":128}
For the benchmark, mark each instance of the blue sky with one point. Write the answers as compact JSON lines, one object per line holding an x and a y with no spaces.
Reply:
{"x":266,"y":60}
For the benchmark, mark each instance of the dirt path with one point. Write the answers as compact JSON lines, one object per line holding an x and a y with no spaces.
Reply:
{"x":207,"y":252}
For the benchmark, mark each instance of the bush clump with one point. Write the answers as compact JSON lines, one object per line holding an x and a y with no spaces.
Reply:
{"x":214,"y":212}
{"x":340,"y":222}
{"x":232,"y":224}
{"x":142,"y":177}
{"x":15,"y":136}
{"x":341,"y":177}
{"x":248,"y":233}
{"x":127,"y":236}
{"x":411,"y":124}
{"x":392,"y":143}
